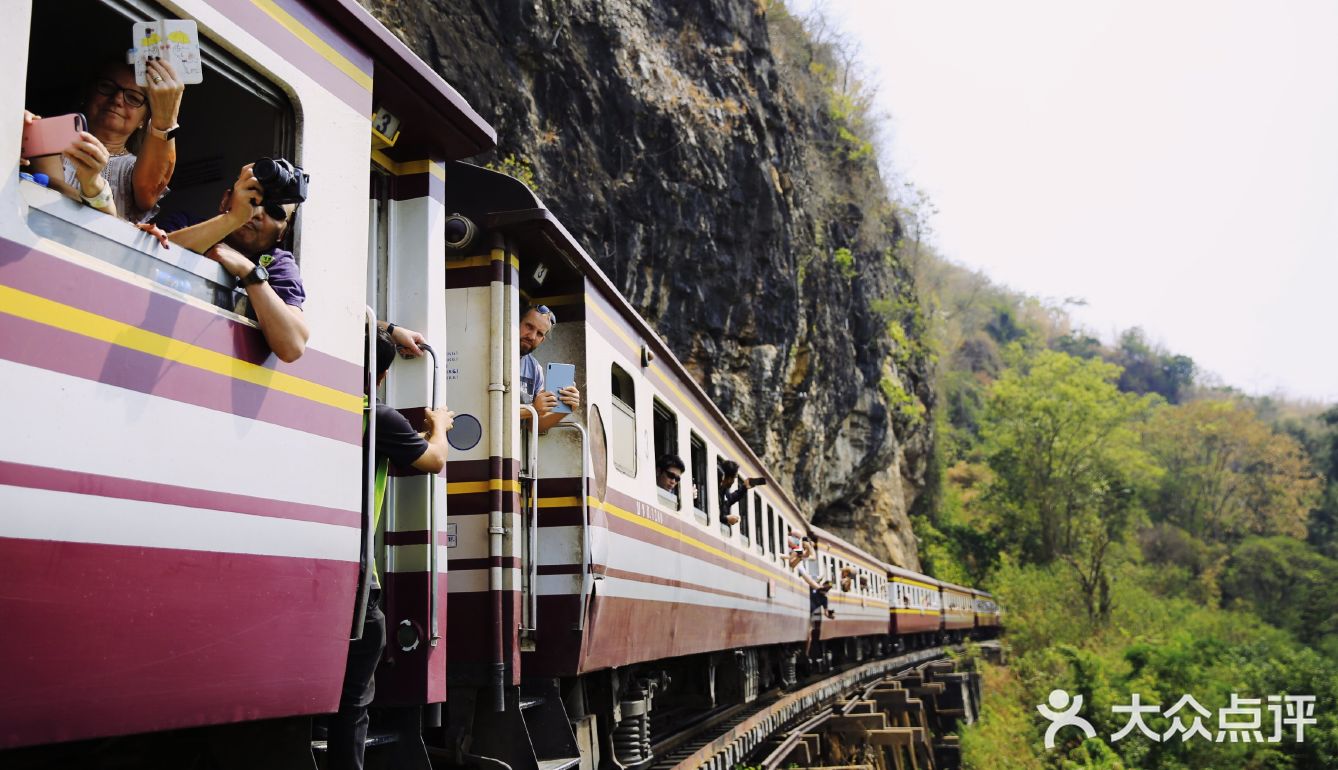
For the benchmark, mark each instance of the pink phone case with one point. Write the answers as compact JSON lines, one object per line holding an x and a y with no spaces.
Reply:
{"x":50,"y":136}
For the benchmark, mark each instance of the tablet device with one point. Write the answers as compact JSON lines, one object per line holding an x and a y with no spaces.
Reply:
{"x":557,"y":377}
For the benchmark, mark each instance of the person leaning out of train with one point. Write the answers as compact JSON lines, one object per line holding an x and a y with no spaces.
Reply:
{"x":536,"y":323}
{"x":122,"y":163}
{"x":728,"y":471}
{"x":244,"y":237}
{"x":669,"y":470}
{"x":398,"y":443}
{"x":817,"y":591}
{"x":847,"y":579}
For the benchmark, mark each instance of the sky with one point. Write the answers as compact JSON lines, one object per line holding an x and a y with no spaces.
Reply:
{"x":1172,"y":164}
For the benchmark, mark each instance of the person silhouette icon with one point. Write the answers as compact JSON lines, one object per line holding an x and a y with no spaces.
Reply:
{"x":1062,"y":713}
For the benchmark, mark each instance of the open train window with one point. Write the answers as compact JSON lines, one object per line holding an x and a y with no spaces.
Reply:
{"x":232,"y":118}
{"x":775,"y":534}
{"x":759,"y":521}
{"x":623,"y":430}
{"x":700,"y":485}
{"x":666,"y":444}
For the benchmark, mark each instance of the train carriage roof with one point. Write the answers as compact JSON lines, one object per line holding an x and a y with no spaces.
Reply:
{"x":905,"y":574}
{"x":871,"y":562}
{"x":436,"y":120}
{"x":954,"y":587}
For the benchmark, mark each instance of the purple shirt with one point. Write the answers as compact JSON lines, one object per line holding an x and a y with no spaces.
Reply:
{"x":284,"y":278}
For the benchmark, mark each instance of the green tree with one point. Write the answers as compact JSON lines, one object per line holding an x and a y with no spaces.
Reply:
{"x":1065,"y":448}
{"x":1229,"y":474}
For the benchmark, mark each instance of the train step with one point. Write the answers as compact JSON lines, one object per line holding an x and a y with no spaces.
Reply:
{"x":320,"y":740}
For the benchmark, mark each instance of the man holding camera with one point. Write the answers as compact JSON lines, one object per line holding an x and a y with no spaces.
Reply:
{"x":244,"y":239}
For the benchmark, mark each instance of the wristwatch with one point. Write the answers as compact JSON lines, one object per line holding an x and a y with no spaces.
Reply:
{"x":258,"y":274}
{"x":165,"y":135}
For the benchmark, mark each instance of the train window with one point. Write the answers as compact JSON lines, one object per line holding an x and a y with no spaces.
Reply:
{"x":666,"y":444}
{"x":700,"y":487}
{"x":760,"y":533}
{"x":233,"y":117}
{"x":744,"y":516}
{"x":775,"y":535}
{"x":623,"y":446}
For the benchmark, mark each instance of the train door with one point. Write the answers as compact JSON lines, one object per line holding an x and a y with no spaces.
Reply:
{"x":404,"y":241}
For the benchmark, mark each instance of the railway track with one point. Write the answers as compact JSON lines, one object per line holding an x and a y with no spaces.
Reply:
{"x":766,"y":732}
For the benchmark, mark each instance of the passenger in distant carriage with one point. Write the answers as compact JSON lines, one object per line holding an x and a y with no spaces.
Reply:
{"x":817,"y":591}
{"x":535,"y":325}
{"x":245,"y":239}
{"x":669,"y":470}
{"x":396,"y":442}
{"x":848,"y":579}
{"x":728,"y":471}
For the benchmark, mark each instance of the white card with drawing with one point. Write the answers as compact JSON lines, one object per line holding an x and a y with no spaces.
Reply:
{"x":174,"y":40}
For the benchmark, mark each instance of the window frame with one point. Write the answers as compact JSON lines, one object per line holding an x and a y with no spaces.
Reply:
{"x":620,"y":406}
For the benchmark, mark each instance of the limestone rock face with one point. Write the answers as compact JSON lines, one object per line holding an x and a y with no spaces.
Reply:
{"x":704,"y":173}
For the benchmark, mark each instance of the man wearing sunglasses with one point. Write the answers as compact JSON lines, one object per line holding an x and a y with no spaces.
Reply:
{"x":244,"y":238}
{"x":535,"y":324}
{"x":669,"y":470}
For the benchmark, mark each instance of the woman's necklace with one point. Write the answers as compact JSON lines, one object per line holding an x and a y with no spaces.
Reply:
{"x":106,"y":170}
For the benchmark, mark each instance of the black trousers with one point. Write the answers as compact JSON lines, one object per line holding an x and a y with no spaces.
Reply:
{"x":348,"y":727}
{"x":817,"y":599}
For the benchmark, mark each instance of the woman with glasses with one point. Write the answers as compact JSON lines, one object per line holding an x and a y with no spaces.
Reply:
{"x":121,"y":165}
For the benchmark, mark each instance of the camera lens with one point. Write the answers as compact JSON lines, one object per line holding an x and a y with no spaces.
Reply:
{"x":265,"y":169}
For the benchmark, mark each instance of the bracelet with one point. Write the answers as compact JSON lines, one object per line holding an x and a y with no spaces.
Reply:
{"x":390,"y":330}
{"x":101,"y":200}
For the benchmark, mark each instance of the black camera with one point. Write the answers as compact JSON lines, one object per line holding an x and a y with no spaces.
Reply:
{"x":281,"y":180}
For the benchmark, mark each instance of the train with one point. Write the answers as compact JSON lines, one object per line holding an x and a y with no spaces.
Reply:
{"x":185,"y":525}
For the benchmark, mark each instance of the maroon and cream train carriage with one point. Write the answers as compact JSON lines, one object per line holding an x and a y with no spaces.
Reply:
{"x":915,"y":606}
{"x":182,"y":515}
{"x":987,"y":614}
{"x":959,"y":610}
{"x":862,"y":610}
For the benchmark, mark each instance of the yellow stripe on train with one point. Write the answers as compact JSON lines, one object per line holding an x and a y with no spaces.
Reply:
{"x":72,"y":319}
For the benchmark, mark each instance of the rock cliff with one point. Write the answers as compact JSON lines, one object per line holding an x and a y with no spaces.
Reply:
{"x":703,"y":155}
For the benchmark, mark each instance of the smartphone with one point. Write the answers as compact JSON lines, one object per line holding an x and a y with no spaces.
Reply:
{"x":50,"y":136}
{"x":757,"y":481}
{"x":557,"y":377}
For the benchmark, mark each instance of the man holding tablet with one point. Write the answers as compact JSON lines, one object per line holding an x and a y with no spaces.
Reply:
{"x":535,"y":324}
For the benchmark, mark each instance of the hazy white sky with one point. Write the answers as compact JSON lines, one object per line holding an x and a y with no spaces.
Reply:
{"x":1175,"y":164}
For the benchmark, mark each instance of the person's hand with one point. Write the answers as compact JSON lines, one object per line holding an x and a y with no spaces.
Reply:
{"x":28,"y":118}
{"x":237,"y":265}
{"x":165,"y":90}
{"x":155,"y":231}
{"x":746,"y":484}
{"x":245,"y":198}
{"x":89,"y":156}
{"x":732,"y":519}
{"x":439,"y":419}
{"x":407,"y":341}
{"x":545,"y":402}
{"x":571,"y":397}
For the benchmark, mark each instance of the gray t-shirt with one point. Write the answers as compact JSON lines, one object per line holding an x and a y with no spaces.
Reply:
{"x":121,"y":176}
{"x":531,"y":378}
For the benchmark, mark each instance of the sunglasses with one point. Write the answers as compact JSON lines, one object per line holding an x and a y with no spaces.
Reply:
{"x":133,"y":97}
{"x":276,"y":212}
{"x":674,"y":476}
{"x":543,"y":310}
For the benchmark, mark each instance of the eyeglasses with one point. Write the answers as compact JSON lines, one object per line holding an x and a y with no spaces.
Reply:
{"x":674,"y":477}
{"x":276,"y":212}
{"x":132,"y":96}
{"x":543,"y":310}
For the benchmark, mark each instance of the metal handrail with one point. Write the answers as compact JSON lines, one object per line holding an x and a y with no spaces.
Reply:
{"x":369,"y":483}
{"x":433,"y":567}
{"x":587,"y":582}
{"x":532,"y":541}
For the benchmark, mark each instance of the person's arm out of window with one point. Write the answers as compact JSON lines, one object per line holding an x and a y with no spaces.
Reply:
{"x":547,"y":417}
{"x":283,"y":325}
{"x":437,"y":421}
{"x":158,"y":155}
{"x":243,"y":202}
